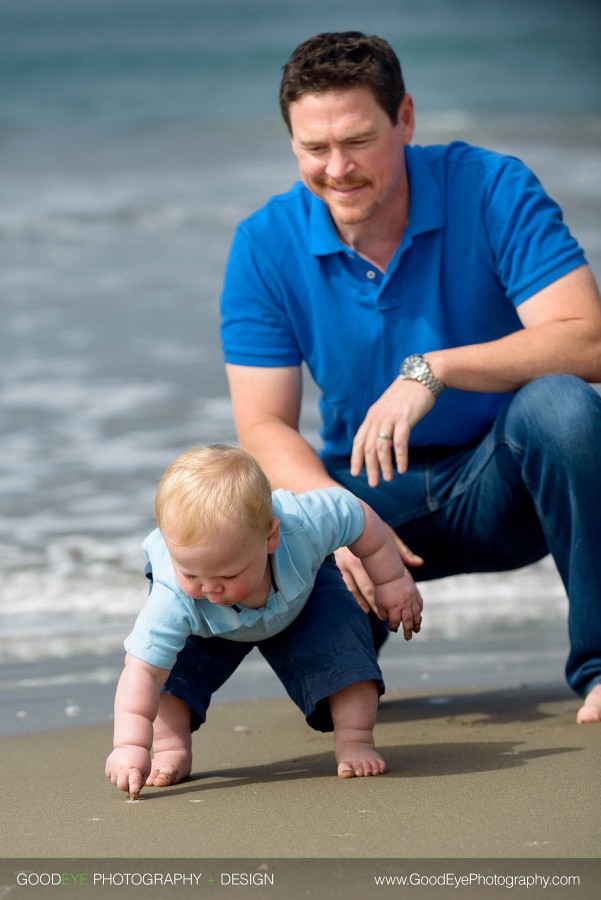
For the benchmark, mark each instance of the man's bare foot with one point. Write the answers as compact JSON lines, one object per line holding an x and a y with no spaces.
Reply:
{"x":358,"y":758}
{"x":169,"y":767}
{"x":590,"y":711}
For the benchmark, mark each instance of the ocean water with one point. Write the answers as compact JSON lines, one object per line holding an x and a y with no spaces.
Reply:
{"x":134,"y":135}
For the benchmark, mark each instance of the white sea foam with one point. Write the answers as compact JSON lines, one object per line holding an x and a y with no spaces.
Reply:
{"x":84,"y":601}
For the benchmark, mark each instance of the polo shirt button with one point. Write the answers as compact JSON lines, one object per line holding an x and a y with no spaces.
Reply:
{"x":370,"y":274}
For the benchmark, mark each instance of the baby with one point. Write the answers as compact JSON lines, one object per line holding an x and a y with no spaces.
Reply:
{"x":233,"y":566}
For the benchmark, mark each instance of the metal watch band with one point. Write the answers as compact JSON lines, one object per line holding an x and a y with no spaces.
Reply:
{"x":416,"y":368}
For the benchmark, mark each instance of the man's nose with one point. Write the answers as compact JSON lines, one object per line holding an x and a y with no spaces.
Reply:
{"x":339,"y":164}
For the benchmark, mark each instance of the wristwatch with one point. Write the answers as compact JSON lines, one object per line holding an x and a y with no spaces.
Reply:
{"x":416,"y":368}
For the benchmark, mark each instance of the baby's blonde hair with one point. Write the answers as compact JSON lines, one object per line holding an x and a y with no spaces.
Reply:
{"x":210,"y":488}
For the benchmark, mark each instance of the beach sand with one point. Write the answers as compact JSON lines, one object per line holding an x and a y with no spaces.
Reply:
{"x":503,"y":774}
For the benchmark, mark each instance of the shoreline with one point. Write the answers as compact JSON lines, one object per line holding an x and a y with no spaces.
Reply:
{"x":73,"y":692}
{"x":493,"y":773}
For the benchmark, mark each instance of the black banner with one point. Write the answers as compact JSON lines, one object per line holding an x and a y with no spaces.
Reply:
{"x":300,"y":878}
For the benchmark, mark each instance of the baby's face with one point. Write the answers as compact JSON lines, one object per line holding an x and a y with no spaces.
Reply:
{"x":231,"y":569}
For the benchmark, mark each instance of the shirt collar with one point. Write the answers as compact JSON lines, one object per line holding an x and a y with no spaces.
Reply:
{"x":323,"y":237}
{"x":426,"y":207}
{"x":427,"y":201}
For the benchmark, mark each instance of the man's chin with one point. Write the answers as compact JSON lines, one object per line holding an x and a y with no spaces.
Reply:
{"x":346,"y":214}
{"x":346,"y":221}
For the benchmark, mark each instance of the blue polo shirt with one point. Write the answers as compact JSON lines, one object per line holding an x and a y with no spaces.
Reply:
{"x":483,"y":236}
{"x":312,"y":525}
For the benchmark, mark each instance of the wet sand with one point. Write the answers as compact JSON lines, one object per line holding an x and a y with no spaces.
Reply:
{"x":499,"y":773}
{"x":494,"y":787}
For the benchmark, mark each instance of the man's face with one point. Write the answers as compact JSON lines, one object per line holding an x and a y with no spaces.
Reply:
{"x":350,"y":155}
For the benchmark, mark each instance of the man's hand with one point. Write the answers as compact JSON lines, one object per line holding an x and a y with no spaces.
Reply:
{"x":128,"y":768}
{"x":387,"y":426}
{"x":356,"y":578}
{"x":407,"y":555}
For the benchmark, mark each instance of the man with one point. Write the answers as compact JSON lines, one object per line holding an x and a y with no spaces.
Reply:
{"x":482,"y":452}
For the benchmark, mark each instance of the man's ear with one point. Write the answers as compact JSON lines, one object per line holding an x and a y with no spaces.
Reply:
{"x":406,"y":118}
{"x":273,"y":536}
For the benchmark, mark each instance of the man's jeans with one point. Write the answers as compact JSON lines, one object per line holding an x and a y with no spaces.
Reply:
{"x":532,"y":486}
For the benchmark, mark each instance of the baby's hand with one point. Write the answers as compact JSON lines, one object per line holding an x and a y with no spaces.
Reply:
{"x":128,"y":768}
{"x":400,"y":603}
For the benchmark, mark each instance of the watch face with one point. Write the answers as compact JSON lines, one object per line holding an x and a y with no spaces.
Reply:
{"x":413,"y":366}
{"x":417,"y":368}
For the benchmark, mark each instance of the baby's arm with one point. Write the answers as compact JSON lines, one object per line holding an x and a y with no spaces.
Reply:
{"x":397,"y":598}
{"x":136,"y":706}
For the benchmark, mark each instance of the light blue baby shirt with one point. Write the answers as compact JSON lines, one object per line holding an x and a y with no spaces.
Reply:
{"x":312,"y":526}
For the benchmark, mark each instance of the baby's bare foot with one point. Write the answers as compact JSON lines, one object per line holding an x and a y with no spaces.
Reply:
{"x":169,"y":767}
{"x":358,"y":758}
{"x":590,"y":711}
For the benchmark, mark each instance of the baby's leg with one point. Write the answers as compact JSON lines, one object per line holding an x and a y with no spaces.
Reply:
{"x":354,"y":711}
{"x":172,"y":745}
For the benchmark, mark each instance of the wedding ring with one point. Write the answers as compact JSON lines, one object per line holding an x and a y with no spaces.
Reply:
{"x":384,"y":436}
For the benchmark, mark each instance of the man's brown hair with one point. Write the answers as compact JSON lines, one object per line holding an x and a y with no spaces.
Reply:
{"x":339,"y":60}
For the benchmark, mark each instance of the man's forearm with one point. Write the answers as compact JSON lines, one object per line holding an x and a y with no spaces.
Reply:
{"x":562,"y":335}
{"x":509,"y":363}
{"x":285,"y":456}
{"x":267,"y":407}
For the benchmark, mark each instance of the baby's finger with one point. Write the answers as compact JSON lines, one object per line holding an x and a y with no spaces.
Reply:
{"x":135,"y":784}
{"x":410,"y":625}
{"x":394,"y":620}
